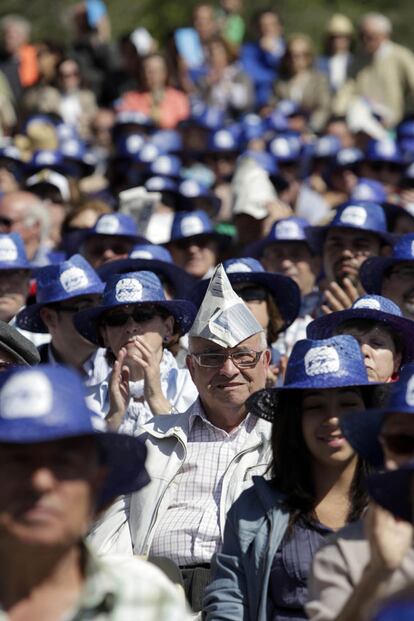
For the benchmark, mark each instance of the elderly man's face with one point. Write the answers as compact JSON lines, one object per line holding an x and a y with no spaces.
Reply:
{"x":14,"y":288}
{"x":371,"y":37}
{"x":345,"y":250}
{"x":15,"y":209}
{"x":48,"y":491}
{"x":398,"y":285}
{"x":227,"y":386}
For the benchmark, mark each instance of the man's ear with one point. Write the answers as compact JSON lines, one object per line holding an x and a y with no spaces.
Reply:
{"x":169,"y":323}
{"x":49,"y":317}
{"x":267,"y":356}
{"x":190,"y":365}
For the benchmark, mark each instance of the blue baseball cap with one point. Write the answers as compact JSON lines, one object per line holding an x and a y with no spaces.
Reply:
{"x":209,"y":117}
{"x":118,"y":224}
{"x":370,"y":307}
{"x":13,"y":253}
{"x":57,"y":283}
{"x":152,"y":258}
{"x":133,"y":117}
{"x":277,"y":122}
{"x":373,"y":269}
{"x":47,"y":403}
{"x":392,"y":490}
{"x":135,"y":288}
{"x":368,"y":190}
{"x":362,"y":430}
{"x":286,"y":148}
{"x":282,"y":289}
{"x":385,"y":150}
{"x":194,"y":224}
{"x":167,"y":166}
{"x":148,"y":154}
{"x":357,"y":215}
{"x":252,"y":126}
{"x":396,"y":610}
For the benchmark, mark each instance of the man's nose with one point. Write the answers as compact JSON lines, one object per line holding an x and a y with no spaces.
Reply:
{"x":42,"y":478}
{"x":228,"y":367}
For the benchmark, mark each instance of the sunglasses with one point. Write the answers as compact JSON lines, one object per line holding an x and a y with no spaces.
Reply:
{"x":140,"y":314}
{"x":398,"y":443}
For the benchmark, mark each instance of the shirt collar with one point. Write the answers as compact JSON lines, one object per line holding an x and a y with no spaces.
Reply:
{"x":198,"y":412}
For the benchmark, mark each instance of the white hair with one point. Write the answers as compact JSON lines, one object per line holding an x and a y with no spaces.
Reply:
{"x":262,"y":335}
{"x":380,"y":22}
{"x":37,"y":212}
{"x":19,"y":21}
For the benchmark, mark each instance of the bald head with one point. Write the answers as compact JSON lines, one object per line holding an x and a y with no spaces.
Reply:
{"x":24,"y":213}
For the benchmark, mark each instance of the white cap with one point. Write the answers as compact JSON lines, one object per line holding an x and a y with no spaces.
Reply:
{"x":223,"y":317}
{"x":252,"y":190}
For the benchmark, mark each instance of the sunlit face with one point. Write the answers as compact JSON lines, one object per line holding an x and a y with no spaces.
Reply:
{"x":227,"y":386}
{"x":398,"y":286}
{"x":14,"y":289}
{"x":155,"y":72}
{"x":59,"y":321}
{"x":295,"y":260}
{"x":48,"y":491}
{"x":321,"y":414}
{"x":196,"y":255}
{"x":345,"y":250}
{"x":299,"y":55}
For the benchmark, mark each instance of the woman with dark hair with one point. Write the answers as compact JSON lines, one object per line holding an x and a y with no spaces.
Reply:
{"x":316,"y":486}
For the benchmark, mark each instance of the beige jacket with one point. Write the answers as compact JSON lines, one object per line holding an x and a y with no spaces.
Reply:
{"x":338,"y":567}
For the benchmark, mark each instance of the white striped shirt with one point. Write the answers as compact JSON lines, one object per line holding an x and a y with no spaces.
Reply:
{"x":189,"y":532}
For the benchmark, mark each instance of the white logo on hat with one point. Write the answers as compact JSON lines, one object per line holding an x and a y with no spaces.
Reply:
{"x":363,"y":193}
{"x":353,"y":215}
{"x":162,"y":165}
{"x":134,"y":143}
{"x":45,"y":158}
{"x":128,"y":290}
{"x":347,"y":156}
{"x":367,"y":303}
{"x":108,"y":225}
{"x":280,"y":147}
{"x":141,"y":254}
{"x":70,"y":147}
{"x":321,"y":360}
{"x":8,"y":250}
{"x":238,"y":267}
{"x":386,"y":148}
{"x":156,"y":183}
{"x":287,"y":230}
{"x":409,"y":395}
{"x":26,"y":396}
{"x":148,"y":153}
{"x":73,"y":278}
{"x":189,"y":188}
{"x":191,"y":226}
{"x":224,"y":139}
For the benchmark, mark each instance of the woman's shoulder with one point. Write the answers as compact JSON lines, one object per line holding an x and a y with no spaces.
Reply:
{"x":257,"y":500}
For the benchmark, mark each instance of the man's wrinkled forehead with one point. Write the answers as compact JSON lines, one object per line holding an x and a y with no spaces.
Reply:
{"x":198,"y":344}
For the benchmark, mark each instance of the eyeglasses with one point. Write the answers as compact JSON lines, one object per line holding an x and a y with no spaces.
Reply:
{"x":241,"y":359}
{"x":398,"y":443}
{"x":140,"y":314}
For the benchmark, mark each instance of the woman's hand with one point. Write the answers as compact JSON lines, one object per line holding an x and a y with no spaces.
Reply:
{"x":118,"y":391}
{"x":389,"y":538}
{"x":145,"y":361}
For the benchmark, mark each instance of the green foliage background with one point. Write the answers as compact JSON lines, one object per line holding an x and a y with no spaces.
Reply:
{"x":50,"y":18}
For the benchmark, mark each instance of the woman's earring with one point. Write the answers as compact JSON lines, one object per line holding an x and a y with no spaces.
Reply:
{"x":166,"y":339}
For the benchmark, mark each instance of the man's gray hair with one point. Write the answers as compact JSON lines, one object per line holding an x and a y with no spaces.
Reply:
{"x":37,"y":212}
{"x":16,"y":20}
{"x":380,"y":22}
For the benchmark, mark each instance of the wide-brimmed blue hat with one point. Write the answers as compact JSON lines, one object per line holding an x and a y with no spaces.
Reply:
{"x":194,"y":224}
{"x":79,"y":161}
{"x":157,"y":183}
{"x":127,"y":146}
{"x":118,"y":224}
{"x":167,"y":166}
{"x":151,"y":258}
{"x":190,"y":189}
{"x":348,"y":157}
{"x":47,"y":158}
{"x":58,"y":283}
{"x":47,"y":403}
{"x":13,"y":253}
{"x":385,"y":150}
{"x":372,"y":270}
{"x":369,"y":307}
{"x":283,"y":289}
{"x":369,"y":190}
{"x":392,"y":490}
{"x":362,"y":430}
{"x":223,"y":141}
{"x":291,"y":229}
{"x":137,"y":288}
{"x":357,"y":215}
{"x":286,"y":148}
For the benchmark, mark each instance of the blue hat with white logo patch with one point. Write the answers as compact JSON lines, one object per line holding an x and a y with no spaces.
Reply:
{"x":47,"y":404}
{"x":161,"y":184}
{"x":13,"y":253}
{"x":118,"y":224}
{"x":368,"y":190}
{"x":286,"y":148}
{"x":137,"y":288}
{"x":167,"y":166}
{"x":373,"y":269}
{"x":385,"y":150}
{"x":369,"y":307}
{"x":194,"y":224}
{"x":291,"y":229}
{"x":58,"y":283}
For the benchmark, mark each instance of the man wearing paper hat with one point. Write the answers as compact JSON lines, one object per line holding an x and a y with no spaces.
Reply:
{"x":372,"y":559}
{"x":182,"y":513}
{"x":393,"y":276}
{"x":57,"y":470}
{"x":62,"y":290}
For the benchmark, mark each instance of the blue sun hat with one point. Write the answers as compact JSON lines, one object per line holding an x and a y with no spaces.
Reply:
{"x":286,"y":149}
{"x":161,"y":184}
{"x":357,"y":215}
{"x":118,"y":224}
{"x":373,"y":269}
{"x":167,"y":166}
{"x":47,"y":158}
{"x":58,"y":283}
{"x":346,"y":158}
{"x":291,"y":229}
{"x":79,"y":160}
{"x":369,"y":190}
{"x":47,"y":403}
{"x":152,"y":258}
{"x":362,"y":430}
{"x":194,"y":224}
{"x":190,"y":189}
{"x":13,"y":253}
{"x":392,"y":490}
{"x":137,"y":288}
{"x":283,"y":289}
{"x":385,"y":150}
{"x":369,"y":307}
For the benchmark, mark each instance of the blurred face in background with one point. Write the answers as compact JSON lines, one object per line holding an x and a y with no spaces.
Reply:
{"x":155,"y":72}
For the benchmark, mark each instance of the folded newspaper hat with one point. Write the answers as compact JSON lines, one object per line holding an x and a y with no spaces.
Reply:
{"x":223,"y":317}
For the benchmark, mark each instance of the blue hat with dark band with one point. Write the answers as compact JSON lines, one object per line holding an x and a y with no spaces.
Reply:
{"x":58,"y":283}
{"x":13,"y":253}
{"x":369,"y":307}
{"x":362,"y":429}
{"x":385,"y":150}
{"x":137,"y":288}
{"x":373,"y":269}
{"x":282,"y":289}
{"x":392,"y":490}
{"x":47,"y":404}
{"x":194,"y":224}
{"x":151,"y":258}
{"x":118,"y":224}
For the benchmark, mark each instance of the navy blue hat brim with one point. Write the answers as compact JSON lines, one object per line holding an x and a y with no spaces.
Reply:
{"x":137,"y":239}
{"x":392,"y":491}
{"x":283,"y":290}
{"x":317,"y":235}
{"x":220,"y":238}
{"x":182,"y":281}
{"x":361,"y":429}
{"x":372,"y":272}
{"x":325,"y":326}
{"x":86,"y":321}
{"x":124,"y":455}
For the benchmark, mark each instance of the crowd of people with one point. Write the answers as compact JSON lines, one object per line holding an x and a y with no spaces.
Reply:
{"x":206,"y":320}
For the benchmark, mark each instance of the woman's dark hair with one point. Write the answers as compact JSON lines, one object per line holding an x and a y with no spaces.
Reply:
{"x":291,"y":465}
{"x":365,"y":325}
{"x":276,"y":321}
